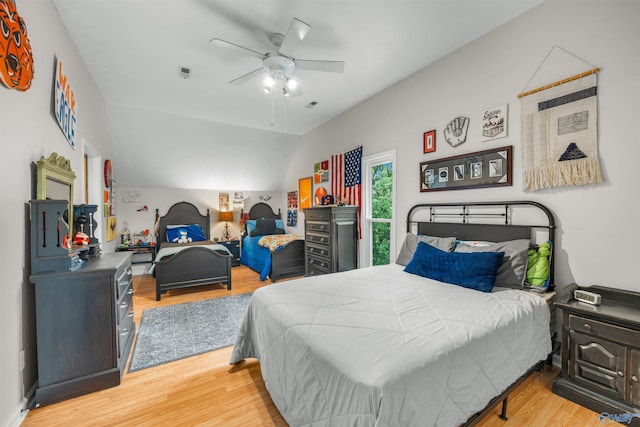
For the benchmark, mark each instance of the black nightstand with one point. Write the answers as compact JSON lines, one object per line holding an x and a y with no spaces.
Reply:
{"x":234,"y":248}
{"x":601,"y":352}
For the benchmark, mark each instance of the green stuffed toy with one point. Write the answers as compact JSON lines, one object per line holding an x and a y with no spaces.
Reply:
{"x":538,"y":265}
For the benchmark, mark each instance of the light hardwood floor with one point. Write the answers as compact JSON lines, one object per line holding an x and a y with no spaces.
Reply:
{"x":205,"y":390}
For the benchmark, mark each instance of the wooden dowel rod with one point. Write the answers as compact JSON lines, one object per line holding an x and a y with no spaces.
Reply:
{"x":559,"y":82}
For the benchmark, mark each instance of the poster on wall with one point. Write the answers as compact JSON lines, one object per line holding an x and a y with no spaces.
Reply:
{"x":292,"y":200}
{"x":111,"y":228}
{"x":238,"y":201}
{"x":65,"y":104}
{"x":223,"y":202}
{"x":305,"y":187}
{"x":321,"y":172}
{"x":494,"y":122}
{"x":292,"y":217}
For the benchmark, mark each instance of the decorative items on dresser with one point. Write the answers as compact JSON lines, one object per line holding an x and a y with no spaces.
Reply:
{"x":601,"y":352}
{"x":331,"y":239}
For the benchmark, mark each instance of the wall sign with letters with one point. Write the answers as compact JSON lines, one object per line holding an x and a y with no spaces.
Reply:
{"x":65,"y":105}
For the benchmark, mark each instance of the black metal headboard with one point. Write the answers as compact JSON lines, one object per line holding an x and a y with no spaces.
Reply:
{"x":181,"y":213}
{"x":491,"y":221}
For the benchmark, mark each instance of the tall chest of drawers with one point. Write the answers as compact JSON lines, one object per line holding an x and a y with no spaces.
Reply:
{"x":84,"y":327}
{"x":331,"y":239}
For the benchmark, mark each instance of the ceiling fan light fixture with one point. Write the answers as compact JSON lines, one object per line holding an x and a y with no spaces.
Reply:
{"x":292,"y":83}
{"x":269,"y":81}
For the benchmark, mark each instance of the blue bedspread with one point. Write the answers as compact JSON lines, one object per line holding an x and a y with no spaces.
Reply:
{"x":256,"y":257}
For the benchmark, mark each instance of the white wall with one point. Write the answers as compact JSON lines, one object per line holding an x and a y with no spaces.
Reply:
{"x":28,"y":130}
{"x":598,"y":227}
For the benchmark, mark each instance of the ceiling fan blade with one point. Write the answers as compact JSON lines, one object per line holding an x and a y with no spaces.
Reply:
{"x":237,"y":48}
{"x":296,"y":32}
{"x":329,"y":66}
{"x":253,"y":74}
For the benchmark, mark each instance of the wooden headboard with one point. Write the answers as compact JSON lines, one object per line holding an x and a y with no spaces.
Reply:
{"x":259,"y":211}
{"x":263,"y":210}
{"x":181,"y":213}
{"x":491,"y":221}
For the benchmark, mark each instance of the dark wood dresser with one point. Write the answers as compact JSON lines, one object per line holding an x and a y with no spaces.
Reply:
{"x":84,"y":327}
{"x":601,"y":353}
{"x":331,"y":239}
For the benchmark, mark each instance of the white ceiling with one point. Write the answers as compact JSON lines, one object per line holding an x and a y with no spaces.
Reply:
{"x":133,"y":49}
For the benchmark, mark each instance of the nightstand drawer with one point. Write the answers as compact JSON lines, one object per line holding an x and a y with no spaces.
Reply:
{"x":604,"y":330}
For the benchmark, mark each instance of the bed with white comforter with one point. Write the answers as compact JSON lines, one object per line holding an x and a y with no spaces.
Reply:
{"x":381,"y":347}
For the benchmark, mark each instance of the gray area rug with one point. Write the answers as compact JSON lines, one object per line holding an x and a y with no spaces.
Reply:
{"x":183,"y":330}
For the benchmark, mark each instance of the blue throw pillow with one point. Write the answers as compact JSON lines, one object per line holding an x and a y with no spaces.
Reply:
{"x":475,"y":270}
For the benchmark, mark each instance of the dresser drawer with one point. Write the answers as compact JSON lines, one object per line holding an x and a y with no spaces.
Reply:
{"x":125,"y":333}
{"x":318,"y":213}
{"x":319,"y":264}
{"x":125,"y":305}
{"x":318,"y":250}
{"x":123,"y":280}
{"x":604,"y":330}
{"x":318,"y":238}
{"x":322,"y":227}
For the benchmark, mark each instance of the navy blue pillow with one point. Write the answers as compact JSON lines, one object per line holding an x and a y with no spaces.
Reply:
{"x":475,"y":270}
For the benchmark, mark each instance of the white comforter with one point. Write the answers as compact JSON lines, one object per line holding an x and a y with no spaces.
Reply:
{"x":381,"y":347}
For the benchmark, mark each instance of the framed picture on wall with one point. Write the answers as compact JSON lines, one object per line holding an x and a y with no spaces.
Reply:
{"x":429,"y":141}
{"x":305,"y":189}
{"x":488,"y":168}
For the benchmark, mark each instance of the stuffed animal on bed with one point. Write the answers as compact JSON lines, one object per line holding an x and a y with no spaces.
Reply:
{"x":538,"y":265}
{"x":182,"y":238}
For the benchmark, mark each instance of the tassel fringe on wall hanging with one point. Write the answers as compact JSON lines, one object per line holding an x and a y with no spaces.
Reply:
{"x":559,"y":133}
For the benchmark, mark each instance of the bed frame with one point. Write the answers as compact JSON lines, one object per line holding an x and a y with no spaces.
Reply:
{"x":287,"y":262}
{"x":493,"y":221}
{"x":193,"y":266}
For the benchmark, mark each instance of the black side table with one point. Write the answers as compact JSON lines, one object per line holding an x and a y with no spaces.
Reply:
{"x":139,"y":249}
{"x":234,"y":247}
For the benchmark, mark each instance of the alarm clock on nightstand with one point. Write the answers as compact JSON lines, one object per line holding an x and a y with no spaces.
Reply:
{"x":586,"y":296}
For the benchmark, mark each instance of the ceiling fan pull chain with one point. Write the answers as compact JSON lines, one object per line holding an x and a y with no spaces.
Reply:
{"x":272,"y":108}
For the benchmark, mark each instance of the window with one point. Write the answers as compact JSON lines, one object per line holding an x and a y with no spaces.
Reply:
{"x":378,"y":210}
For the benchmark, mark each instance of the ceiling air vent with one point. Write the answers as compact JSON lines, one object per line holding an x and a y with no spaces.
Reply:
{"x":184,"y":72}
{"x":311,"y":104}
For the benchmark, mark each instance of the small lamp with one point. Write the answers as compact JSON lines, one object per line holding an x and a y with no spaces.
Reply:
{"x":226,"y":216}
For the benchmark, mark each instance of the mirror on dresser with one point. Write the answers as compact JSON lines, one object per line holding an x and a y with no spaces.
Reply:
{"x":51,"y":230}
{"x":54,"y":181}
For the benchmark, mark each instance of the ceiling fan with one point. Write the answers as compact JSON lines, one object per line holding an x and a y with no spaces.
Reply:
{"x":278,"y":66}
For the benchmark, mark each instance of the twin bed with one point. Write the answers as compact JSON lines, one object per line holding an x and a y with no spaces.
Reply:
{"x":381,"y":347}
{"x":181,"y":265}
{"x":287,"y":261}
{"x":195,"y":263}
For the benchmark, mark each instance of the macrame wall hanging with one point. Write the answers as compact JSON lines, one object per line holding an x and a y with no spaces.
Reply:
{"x":559,"y":132}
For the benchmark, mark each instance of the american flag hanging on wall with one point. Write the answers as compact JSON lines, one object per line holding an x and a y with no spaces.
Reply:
{"x":346,"y":179}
